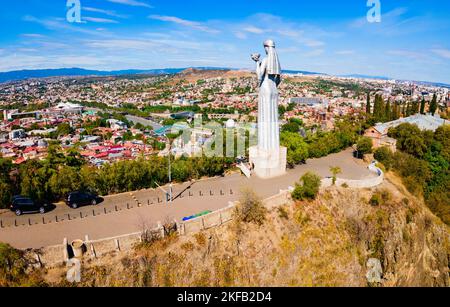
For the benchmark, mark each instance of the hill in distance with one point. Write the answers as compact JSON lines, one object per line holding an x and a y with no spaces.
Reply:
{"x":74,"y":72}
{"x":19,"y":75}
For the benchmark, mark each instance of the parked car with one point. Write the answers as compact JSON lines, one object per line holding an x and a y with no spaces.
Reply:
{"x":78,"y":199}
{"x":21,"y":205}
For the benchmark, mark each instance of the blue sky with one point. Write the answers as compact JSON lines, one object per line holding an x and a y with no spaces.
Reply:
{"x":411,"y":42}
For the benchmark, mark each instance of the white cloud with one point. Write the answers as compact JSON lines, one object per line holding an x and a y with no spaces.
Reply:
{"x":33,"y":35}
{"x":61,"y":25}
{"x":345,"y":52}
{"x":183,"y":22}
{"x":314,"y":53}
{"x":254,"y":30}
{"x":132,"y":3}
{"x":121,"y":44}
{"x":312,"y":43}
{"x":445,"y":53}
{"x":406,"y":54}
{"x":27,"y":50}
{"x":388,"y":17}
{"x":99,"y":20}
{"x":105,"y":12}
{"x":240,"y":35}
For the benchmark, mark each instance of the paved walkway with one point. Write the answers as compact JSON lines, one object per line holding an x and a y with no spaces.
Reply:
{"x":120,"y":214}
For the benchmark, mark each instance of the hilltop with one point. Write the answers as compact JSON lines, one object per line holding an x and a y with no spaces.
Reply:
{"x":195,"y":74}
{"x":326,"y":242}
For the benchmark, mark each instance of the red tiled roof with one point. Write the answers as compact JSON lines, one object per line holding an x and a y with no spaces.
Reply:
{"x":101,"y":155}
{"x":19,"y":160}
{"x":30,"y":149}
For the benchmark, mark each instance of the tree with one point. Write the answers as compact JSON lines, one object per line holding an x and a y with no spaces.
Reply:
{"x":6,"y":184}
{"x":368,"y":103}
{"x":336,"y":170}
{"x":251,"y":208}
{"x":64,"y":129}
{"x":408,"y":109}
{"x":409,"y":139}
{"x":296,"y":146}
{"x":387,"y":111}
{"x":422,"y":106}
{"x":364,"y":146}
{"x":433,"y":105}
{"x":66,"y":180}
{"x":298,"y":121}
{"x":385,"y":156}
{"x":395,"y":112}
{"x":308,"y":188}
{"x":12,"y":265}
{"x":291,"y":127}
{"x":415,"y":107}
{"x":5,"y":194}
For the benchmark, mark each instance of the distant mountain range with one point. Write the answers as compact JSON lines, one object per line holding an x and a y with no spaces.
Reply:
{"x":302,"y":72}
{"x":357,"y":76}
{"x":75,"y":72}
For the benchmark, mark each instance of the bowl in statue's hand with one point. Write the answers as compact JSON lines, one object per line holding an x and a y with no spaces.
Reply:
{"x":256,"y":57}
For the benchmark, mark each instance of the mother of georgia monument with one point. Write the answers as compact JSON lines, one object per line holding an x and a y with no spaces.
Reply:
{"x":268,"y":158}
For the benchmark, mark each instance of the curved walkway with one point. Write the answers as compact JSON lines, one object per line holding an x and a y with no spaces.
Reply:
{"x":131,"y":212}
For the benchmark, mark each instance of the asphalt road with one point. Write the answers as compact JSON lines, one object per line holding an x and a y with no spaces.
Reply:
{"x":135,"y":119}
{"x":144,"y":121}
{"x":121,"y":214}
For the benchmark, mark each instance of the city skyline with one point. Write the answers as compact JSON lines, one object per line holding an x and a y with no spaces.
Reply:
{"x":329,"y":37}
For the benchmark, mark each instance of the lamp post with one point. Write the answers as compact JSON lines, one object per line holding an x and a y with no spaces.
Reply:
{"x":170,"y":174}
{"x":170,"y":137}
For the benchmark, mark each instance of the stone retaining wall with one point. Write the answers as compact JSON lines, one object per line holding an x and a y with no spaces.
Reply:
{"x":60,"y":254}
{"x":358,"y":184}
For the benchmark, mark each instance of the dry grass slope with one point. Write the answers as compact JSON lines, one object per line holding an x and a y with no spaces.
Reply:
{"x":325,"y":242}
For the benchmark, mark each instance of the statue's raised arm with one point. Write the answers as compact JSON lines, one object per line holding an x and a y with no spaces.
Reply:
{"x":270,"y":65}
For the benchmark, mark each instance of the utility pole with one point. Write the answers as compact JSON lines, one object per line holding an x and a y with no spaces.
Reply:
{"x":170,"y":175}
{"x":170,"y":194}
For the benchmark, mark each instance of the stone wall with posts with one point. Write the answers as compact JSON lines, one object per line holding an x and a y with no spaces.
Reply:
{"x":60,"y":254}
{"x":222,"y":216}
{"x":56,"y":255}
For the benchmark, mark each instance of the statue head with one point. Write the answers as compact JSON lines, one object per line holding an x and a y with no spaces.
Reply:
{"x":269,"y":44}
{"x":273,"y":63}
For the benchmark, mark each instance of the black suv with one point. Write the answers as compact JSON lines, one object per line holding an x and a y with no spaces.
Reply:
{"x":77,"y":199}
{"x":21,"y":205}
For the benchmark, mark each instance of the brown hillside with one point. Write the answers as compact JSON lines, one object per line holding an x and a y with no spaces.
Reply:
{"x":326,"y":242}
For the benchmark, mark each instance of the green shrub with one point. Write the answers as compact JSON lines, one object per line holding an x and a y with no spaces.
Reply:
{"x":365,"y":145}
{"x":308,"y":188}
{"x":375,"y":200}
{"x":385,"y":156}
{"x":13,"y":269}
{"x":385,"y":196}
{"x":250,"y":208}
{"x":282,"y":213}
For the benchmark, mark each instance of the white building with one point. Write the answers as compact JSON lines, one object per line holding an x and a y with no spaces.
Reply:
{"x":17,"y":134}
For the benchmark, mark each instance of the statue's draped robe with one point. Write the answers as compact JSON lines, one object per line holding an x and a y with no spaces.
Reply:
{"x":268,"y":124}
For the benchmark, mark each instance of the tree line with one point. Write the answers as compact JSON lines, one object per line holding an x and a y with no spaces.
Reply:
{"x":423,"y":161}
{"x":63,"y":172}
{"x":320,"y":144}
{"x":385,"y":111}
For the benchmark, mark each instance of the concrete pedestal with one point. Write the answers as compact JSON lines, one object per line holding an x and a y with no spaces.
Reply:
{"x":268,"y":164}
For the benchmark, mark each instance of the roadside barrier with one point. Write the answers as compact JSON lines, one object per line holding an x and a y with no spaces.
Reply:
{"x":49,"y":218}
